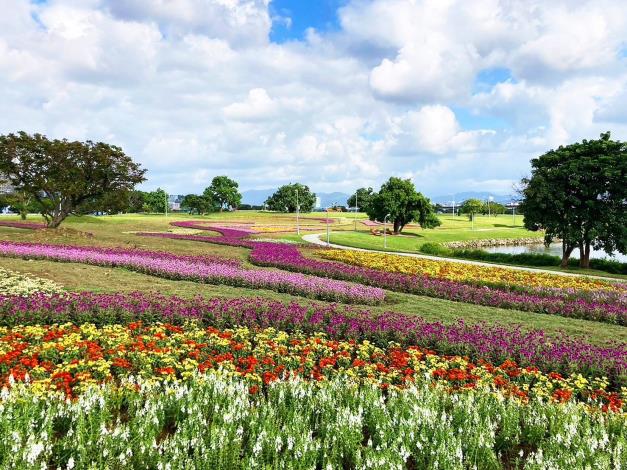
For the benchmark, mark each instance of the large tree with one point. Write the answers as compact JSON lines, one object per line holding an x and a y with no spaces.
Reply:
{"x":399,"y":198}
{"x":199,"y":204}
{"x":578,"y":193}
{"x":66,"y":177}
{"x":224,"y":192}
{"x":284,"y":199}
{"x":362,"y":199}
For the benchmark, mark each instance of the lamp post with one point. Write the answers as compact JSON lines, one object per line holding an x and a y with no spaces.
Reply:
{"x":513,"y":215}
{"x":297,"y":213}
{"x":355,"y":211}
{"x":328,"y":234}
{"x":385,"y":231}
{"x":489,"y":199}
{"x":166,"y":203}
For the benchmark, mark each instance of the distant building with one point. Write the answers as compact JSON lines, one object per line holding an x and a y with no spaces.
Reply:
{"x":174,"y":202}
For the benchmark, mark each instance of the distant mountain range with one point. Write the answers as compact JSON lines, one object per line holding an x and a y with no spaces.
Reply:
{"x":257,"y":197}
{"x":460,"y":197}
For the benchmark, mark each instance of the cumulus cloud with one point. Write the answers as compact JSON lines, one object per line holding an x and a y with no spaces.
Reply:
{"x":194,"y":88}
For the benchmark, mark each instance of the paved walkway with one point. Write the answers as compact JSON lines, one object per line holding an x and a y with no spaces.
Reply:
{"x":315,"y":239}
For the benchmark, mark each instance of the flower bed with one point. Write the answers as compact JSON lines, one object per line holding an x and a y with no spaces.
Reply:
{"x":13,"y":283}
{"x":24,"y":225}
{"x":212,"y":422}
{"x":609,"y":305}
{"x":201,"y":270}
{"x":71,"y":358}
{"x":468,"y":273}
{"x":496,"y":344}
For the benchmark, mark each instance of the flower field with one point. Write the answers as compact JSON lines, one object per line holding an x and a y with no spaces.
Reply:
{"x":606,"y":304}
{"x":269,"y":396}
{"x":202,"y":270}
{"x":214,"y":422}
{"x":71,"y":358}
{"x":148,"y":380}
{"x":481,"y":342}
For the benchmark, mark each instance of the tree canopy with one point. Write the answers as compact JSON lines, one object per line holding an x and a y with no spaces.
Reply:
{"x":471,"y":207}
{"x":224,"y":192}
{"x":155,"y":201}
{"x":66,"y":177}
{"x":284,"y":199}
{"x":399,"y":198}
{"x":362,"y":199}
{"x":198,"y":203}
{"x":578,"y":193}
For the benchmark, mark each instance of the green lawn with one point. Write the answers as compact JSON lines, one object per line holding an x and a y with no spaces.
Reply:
{"x":453,"y":228}
{"x":114,"y":231}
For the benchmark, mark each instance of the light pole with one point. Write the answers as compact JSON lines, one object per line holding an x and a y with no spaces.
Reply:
{"x":513,"y":215}
{"x":355,"y":211}
{"x":328,"y":234}
{"x":489,"y":199}
{"x":297,"y":213}
{"x":385,"y":231}
{"x":166,"y":203}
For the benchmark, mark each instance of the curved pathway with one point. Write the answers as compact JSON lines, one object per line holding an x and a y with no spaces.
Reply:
{"x":314,"y":238}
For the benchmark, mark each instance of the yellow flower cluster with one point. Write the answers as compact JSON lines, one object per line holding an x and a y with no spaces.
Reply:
{"x":464,"y":272}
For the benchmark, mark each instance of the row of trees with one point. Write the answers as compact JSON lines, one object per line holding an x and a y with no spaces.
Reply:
{"x":223,"y":193}
{"x":473,"y":206}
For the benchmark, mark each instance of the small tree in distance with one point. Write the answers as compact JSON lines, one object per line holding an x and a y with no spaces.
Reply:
{"x":472,"y":207}
{"x":66,"y":177}
{"x":399,"y":198}
{"x":362,"y":199}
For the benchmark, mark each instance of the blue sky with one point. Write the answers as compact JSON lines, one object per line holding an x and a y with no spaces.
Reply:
{"x":456,"y":95}
{"x":302,"y":15}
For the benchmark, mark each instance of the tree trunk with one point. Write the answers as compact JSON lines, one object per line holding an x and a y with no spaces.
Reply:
{"x":397,"y":227}
{"x":566,"y":251}
{"x":584,"y":256}
{"x":57,"y":217}
{"x":23,"y":214}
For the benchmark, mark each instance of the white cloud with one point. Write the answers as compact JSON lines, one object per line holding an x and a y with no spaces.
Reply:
{"x":194,"y":88}
{"x":257,"y":106}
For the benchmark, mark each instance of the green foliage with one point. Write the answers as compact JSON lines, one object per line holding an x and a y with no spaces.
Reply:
{"x":494,"y":208}
{"x":523,"y":259}
{"x":284,"y":199}
{"x":199,"y":204}
{"x":435,"y":249}
{"x":20,"y":202}
{"x":362,"y":199}
{"x":155,"y":201}
{"x":399,"y":198}
{"x":577,"y":193}
{"x":214,"y":422}
{"x":135,"y":201}
{"x":471,"y":207}
{"x":66,"y":177}
{"x":223,"y":193}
